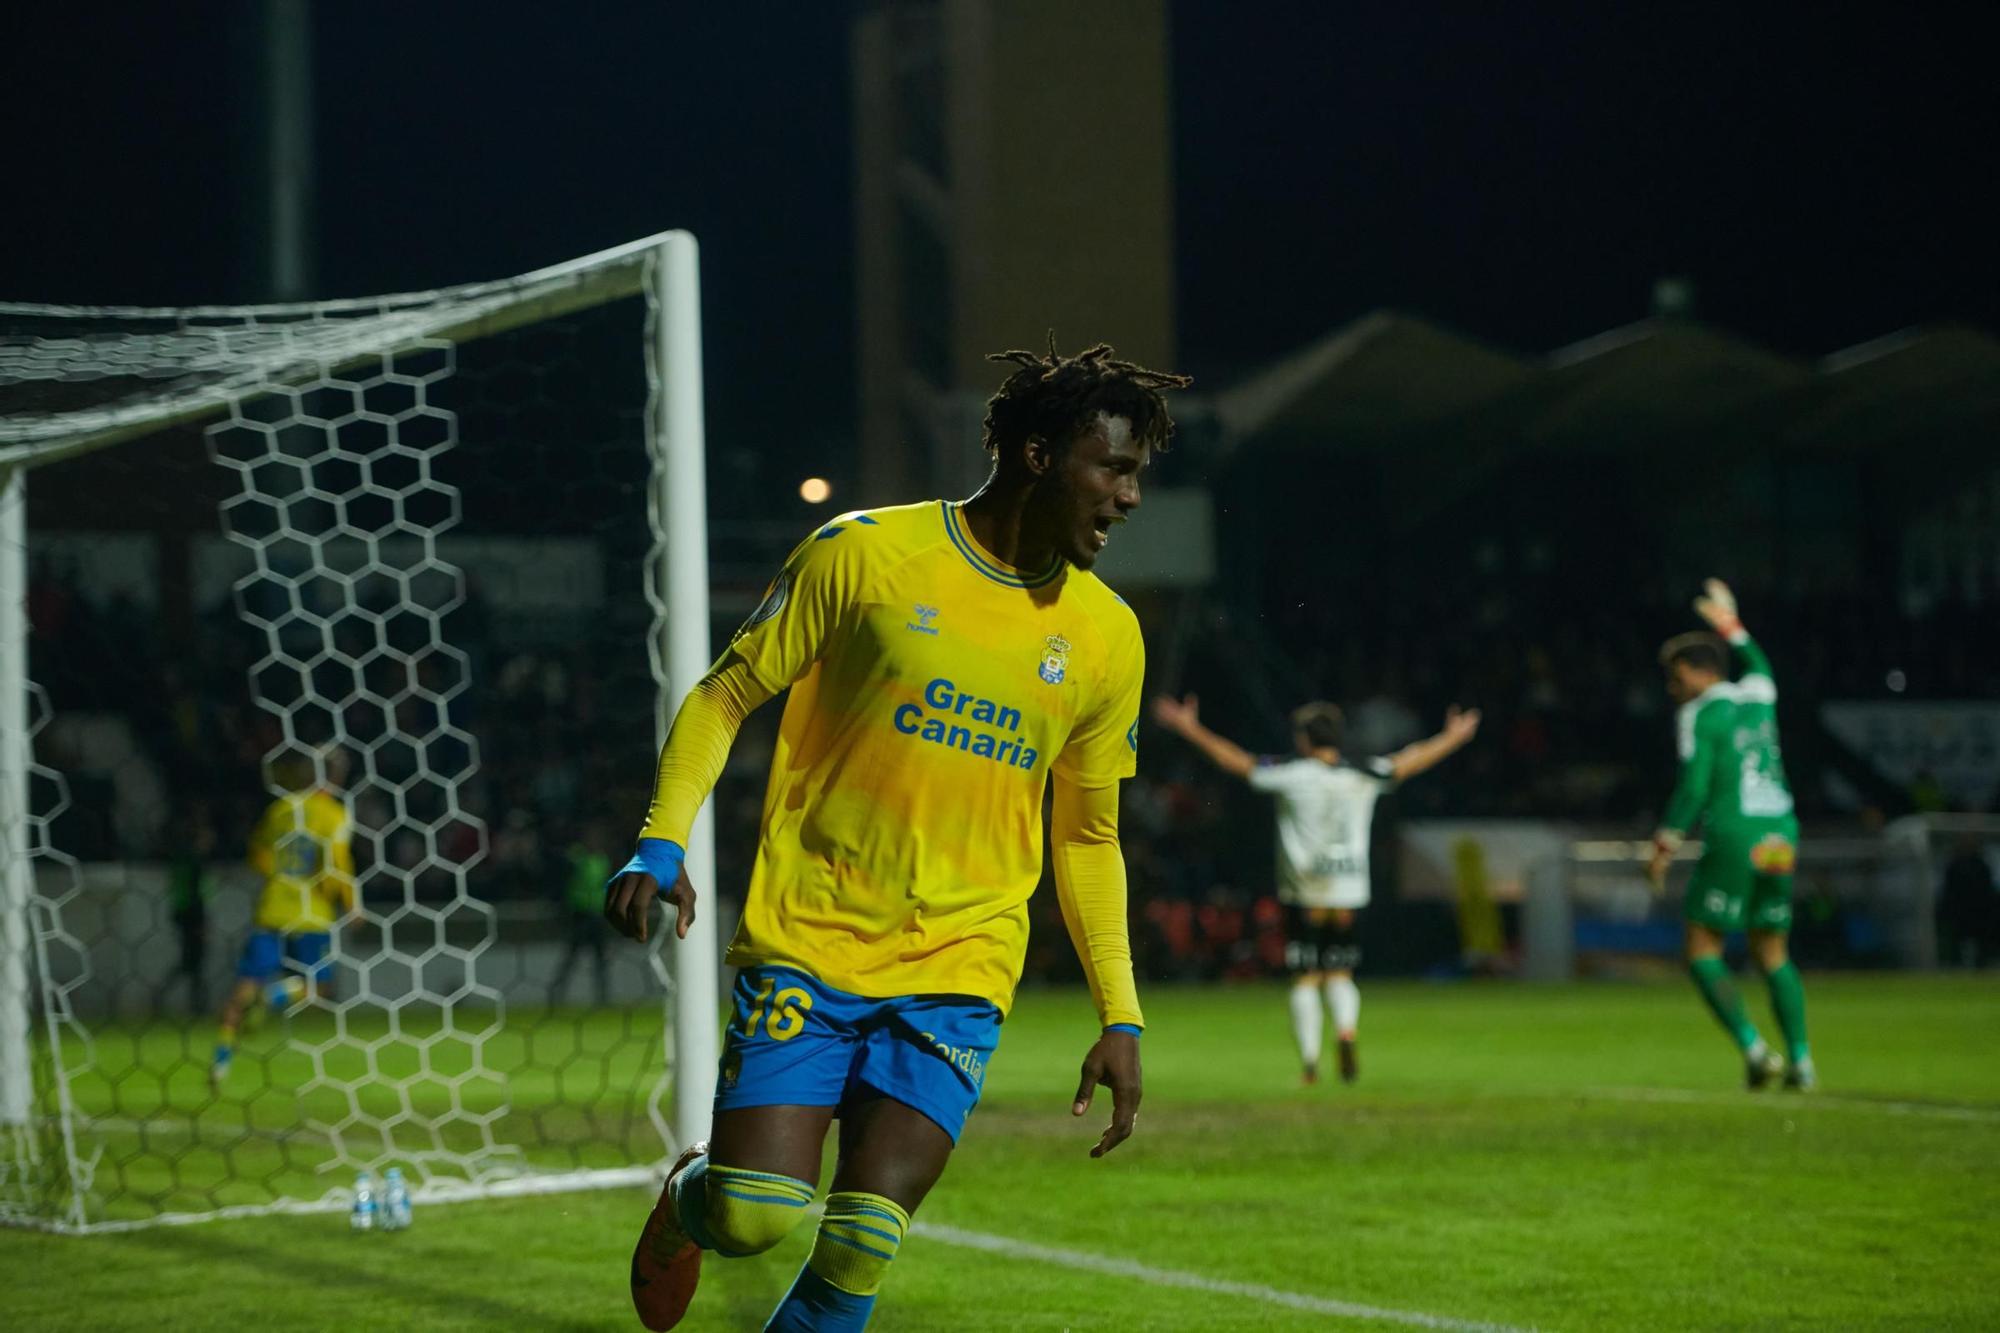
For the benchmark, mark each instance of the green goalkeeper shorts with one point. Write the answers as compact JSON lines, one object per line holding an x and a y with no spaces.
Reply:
{"x":1744,"y":878}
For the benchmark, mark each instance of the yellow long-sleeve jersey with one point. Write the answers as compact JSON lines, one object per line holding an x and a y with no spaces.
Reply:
{"x":303,"y":846}
{"x":934,"y":693}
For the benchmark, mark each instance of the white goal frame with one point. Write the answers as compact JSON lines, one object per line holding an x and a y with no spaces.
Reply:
{"x":664,"y":268}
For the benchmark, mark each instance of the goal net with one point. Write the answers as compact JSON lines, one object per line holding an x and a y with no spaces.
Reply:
{"x":430,"y":565}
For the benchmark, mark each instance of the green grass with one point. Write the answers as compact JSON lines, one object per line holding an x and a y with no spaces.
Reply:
{"x":1566,"y":1158}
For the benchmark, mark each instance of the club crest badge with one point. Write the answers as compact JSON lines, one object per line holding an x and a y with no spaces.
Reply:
{"x":1055,"y":659}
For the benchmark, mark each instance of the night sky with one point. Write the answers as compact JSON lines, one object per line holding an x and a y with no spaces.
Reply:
{"x":1822,"y":178}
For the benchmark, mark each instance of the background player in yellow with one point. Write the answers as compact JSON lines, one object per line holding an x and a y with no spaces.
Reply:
{"x":945,"y":661}
{"x":303,"y":847}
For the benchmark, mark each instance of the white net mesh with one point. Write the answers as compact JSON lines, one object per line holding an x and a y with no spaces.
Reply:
{"x":209,"y":633}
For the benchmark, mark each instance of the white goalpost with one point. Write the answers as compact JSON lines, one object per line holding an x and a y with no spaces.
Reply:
{"x":427,"y":532}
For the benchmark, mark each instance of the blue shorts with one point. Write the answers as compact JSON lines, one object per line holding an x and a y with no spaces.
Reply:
{"x":266,"y":952}
{"x":795,"y":1042}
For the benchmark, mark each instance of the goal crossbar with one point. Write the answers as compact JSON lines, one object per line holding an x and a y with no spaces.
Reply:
{"x":461,"y":313}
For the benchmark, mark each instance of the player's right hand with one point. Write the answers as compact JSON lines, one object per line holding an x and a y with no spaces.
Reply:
{"x":628,"y":904}
{"x":1177,"y":714}
{"x":1114,"y":1062}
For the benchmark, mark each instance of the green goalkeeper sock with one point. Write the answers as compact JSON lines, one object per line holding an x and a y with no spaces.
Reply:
{"x":1788,"y":1000}
{"x":1711,"y":978}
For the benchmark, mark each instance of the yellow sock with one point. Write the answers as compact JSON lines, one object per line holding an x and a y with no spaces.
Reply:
{"x":858,"y":1238}
{"x":747,"y":1212}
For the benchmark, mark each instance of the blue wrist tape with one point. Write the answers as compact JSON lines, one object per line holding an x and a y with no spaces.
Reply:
{"x":656,"y":857}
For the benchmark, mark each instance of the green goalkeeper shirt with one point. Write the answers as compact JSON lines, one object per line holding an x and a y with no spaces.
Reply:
{"x":1732,"y":771}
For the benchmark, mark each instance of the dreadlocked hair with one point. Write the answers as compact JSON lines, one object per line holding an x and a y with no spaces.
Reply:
{"x":1056,"y":397}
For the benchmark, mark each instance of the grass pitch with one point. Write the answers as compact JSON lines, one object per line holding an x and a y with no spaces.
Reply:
{"x":1563,"y":1158}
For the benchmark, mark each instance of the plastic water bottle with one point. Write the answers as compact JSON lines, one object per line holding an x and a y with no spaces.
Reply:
{"x":363,"y":1217}
{"x":395,"y":1200}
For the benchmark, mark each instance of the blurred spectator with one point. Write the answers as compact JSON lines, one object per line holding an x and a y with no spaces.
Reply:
{"x":587,"y":869}
{"x":190,"y":885}
{"x":1968,"y":910}
{"x":1927,"y":795}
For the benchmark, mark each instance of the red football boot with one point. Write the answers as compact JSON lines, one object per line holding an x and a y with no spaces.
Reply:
{"x":666,"y":1264}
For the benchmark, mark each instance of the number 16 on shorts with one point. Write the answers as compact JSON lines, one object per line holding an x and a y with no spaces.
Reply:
{"x":781,"y":1011}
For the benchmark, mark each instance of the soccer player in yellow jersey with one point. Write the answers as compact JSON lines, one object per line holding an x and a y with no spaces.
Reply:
{"x":303,"y":846}
{"x":946,"y":661}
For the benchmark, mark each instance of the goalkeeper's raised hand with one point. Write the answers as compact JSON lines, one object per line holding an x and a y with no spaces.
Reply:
{"x":1717,"y":605}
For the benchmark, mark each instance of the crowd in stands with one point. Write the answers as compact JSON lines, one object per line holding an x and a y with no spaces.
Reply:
{"x":545,"y":753}
{"x":1577,"y":726}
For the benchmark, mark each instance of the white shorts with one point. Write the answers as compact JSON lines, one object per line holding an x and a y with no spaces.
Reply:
{"x":1341,"y":891}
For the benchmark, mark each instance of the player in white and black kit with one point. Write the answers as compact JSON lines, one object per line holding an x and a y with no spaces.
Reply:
{"x":1326,"y":806}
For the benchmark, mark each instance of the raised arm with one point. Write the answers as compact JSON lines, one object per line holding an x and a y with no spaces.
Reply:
{"x":1183,"y":718}
{"x":1460,"y":726}
{"x":1717,"y":605}
{"x":1090,"y":883}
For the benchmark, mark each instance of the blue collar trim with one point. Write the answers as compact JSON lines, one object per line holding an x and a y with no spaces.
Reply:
{"x":990,"y":568}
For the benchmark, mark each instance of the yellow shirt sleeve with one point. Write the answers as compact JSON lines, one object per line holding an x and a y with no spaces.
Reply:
{"x":805,"y":606}
{"x":698,"y":746}
{"x":1090,"y":883}
{"x":809,"y":603}
{"x":1104,"y":747}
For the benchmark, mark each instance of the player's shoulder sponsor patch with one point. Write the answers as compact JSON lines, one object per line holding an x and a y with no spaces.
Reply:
{"x":774,"y":601}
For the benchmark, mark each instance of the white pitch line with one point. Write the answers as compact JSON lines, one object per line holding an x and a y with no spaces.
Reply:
{"x":1808,"y":1102}
{"x":1167,"y":1277}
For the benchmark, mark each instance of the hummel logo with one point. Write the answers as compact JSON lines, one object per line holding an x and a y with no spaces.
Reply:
{"x":922,"y":624}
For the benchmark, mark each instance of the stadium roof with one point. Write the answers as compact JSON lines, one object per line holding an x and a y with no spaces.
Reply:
{"x":1940,"y":384}
{"x":1389,"y":379}
{"x":1384,"y":369}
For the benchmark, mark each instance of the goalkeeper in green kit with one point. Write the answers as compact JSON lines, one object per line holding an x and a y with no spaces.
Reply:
{"x":1733,"y":782}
